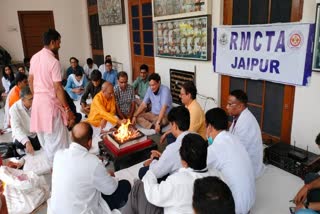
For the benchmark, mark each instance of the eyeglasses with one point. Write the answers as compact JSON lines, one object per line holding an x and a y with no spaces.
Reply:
{"x":231,"y":104}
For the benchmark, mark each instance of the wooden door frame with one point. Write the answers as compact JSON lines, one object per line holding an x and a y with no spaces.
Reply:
{"x":145,"y":59}
{"x":289,"y":91}
{"x":92,"y":10}
{"x":21,"y":13}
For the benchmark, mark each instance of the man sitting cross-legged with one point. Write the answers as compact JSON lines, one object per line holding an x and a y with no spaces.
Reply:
{"x":161,"y":100}
{"x":103,"y":108}
{"x":124,"y":95}
{"x":80,"y":182}
{"x":174,"y":195}
{"x":92,"y":89}
{"x":169,"y":161}
{"x":20,"y":123}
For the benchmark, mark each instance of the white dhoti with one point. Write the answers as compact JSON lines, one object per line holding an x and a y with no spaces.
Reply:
{"x":58,"y":139}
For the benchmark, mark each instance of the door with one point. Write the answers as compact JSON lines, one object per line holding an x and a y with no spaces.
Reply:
{"x":141,"y":35}
{"x":32,"y":26}
{"x":95,"y":32}
{"x":271,"y":103}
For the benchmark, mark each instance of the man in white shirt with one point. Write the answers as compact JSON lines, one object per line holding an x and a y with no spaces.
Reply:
{"x":89,"y":67}
{"x":174,"y":195}
{"x":247,"y":129}
{"x":169,"y":161}
{"x":80,"y":181}
{"x":228,"y":155}
{"x":20,"y":113}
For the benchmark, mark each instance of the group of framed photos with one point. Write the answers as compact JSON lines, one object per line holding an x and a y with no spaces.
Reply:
{"x":181,"y":28}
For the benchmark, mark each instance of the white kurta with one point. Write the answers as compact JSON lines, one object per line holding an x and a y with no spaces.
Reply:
{"x":88,"y":70}
{"x":20,"y":122}
{"x":175,"y":193}
{"x":78,"y":180}
{"x":169,"y":161}
{"x":248,"y":131}
{"x":228,"y":155}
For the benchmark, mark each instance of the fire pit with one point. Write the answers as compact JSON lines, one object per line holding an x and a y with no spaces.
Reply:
{"x":126,"y":135}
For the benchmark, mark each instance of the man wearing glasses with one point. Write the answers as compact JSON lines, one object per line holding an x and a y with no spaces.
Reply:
{"x":20,"y":123}
{"x":246,"y":128}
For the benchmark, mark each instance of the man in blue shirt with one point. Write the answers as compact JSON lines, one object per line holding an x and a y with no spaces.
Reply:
{"x":109,"y":74}
{"x":161,"y":101}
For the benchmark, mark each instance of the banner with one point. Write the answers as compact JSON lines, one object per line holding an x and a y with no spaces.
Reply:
{"x":279,"y":53}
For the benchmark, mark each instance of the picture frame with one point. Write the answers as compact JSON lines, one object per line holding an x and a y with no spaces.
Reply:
{"x":316,"y":44}
{"x":187,"y":38}
{"x":111,"y":12}
{"x":174,"y":9}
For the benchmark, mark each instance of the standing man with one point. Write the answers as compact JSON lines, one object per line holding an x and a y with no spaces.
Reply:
{"x":50,"y":112}
{"x":161,"y":100}
{"x":246,"y":128}
{"x":141,"y":84}
{"x":124,"y":95}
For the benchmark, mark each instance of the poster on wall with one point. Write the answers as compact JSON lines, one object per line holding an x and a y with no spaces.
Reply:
{"x":184,"y":38}
{"x":172,"y":9}
{"x":279,"y":53}
{"x":316,"y":49}
{"x":111,"y":12}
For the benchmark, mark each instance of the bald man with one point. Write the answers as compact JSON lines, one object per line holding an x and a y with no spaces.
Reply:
{"x":80,"y":182}
{"x":103,"y":108}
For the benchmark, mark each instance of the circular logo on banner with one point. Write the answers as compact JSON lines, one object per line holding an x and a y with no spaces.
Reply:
{"x":223,"y":39}
{"x":295,"y":40}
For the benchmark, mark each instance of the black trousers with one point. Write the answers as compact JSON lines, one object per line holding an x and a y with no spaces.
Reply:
{"x":143,"y":170}
{"x":34,"y":142}
{"x":120,"y":197}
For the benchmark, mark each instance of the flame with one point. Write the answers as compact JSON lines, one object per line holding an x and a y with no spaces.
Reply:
{"x":124,"y":133}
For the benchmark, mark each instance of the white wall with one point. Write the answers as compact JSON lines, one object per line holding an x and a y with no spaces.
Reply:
{"x":116,"y":42}
{"x":70,"y":18}
{"x":306,"y":114}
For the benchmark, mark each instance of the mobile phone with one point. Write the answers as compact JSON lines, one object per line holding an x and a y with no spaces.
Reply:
{"x":292,"y":210}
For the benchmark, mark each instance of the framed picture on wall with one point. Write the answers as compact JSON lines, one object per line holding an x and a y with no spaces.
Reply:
{"x":316,"y":46}
{"x":111,"y":12}
{"x":187,"y":38}
{"x":173,"y":9}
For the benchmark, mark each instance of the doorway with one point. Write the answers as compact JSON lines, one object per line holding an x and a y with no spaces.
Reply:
{"x":32,"y":26}
{"x":141,"y":35}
